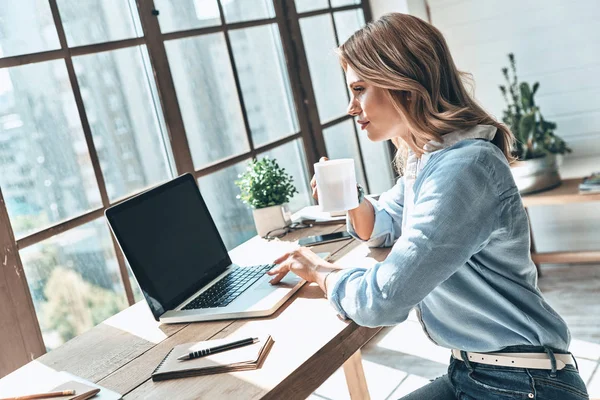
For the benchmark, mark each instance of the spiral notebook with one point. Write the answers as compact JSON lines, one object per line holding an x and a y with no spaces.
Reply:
{"x":240,"y":359}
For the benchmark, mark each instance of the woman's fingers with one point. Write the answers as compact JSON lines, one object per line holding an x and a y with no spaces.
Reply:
{"x":277,"y":278}
{"x":278,"y":273}
{"x":282,"y":258}
{"x":313,"y":182}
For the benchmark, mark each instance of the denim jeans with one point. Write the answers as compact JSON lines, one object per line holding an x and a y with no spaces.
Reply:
{"x":473,"y":381}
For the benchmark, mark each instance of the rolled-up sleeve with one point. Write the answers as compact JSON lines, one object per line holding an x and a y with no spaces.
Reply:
{"x":388,"y":217}
{"x":455,"y":212}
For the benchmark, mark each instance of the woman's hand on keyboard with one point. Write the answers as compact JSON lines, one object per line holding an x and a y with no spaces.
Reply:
{"x":301,"y":261}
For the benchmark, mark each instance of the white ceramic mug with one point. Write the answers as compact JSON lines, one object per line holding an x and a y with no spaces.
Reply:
{"x":336,"y":185}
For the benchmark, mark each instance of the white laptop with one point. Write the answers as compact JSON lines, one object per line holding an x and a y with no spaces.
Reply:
{"x":181,"y":263}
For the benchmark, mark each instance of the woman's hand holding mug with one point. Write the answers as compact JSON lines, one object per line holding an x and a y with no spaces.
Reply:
{"x":313,"y":182}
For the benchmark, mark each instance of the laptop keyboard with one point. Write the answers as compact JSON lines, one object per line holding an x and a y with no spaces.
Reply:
{"x":229,"y":287}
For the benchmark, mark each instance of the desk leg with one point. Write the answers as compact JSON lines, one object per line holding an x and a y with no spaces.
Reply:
{"x":532,"y":247}
{"x":355,"y":377}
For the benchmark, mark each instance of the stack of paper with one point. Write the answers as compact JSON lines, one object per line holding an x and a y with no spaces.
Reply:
{"x":20,"y":383}
{"x":590,"y":184}
{"x":314,"y":215}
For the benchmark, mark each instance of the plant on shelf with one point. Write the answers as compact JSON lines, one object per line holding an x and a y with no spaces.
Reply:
{"x":534,"y":135}
{"x":266,"y":188}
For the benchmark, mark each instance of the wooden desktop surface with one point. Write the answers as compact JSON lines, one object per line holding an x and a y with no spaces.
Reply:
{"x":311,"y":342}
{"x":566,"y":193}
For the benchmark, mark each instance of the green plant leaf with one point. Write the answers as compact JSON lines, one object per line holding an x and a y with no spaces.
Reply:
{"x":526,"y":126}
{"x":525,"y":96}
{"x":534,"y":138}
{"x":535,"y":88}
{"x":265,"y":184}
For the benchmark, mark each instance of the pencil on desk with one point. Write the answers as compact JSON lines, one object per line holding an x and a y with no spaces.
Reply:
{"x":42,"y":395}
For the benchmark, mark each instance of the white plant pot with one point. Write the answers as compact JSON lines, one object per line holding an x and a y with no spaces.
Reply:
{"x":270,"y":218}
{"x":537,"y":174}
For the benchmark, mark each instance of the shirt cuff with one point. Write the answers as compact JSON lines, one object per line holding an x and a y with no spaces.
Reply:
{"x":335,"y":298}
{"x":381,"y":227}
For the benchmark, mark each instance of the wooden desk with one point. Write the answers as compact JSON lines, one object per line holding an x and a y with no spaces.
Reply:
{"x":566,"y":193}
{"x":311,"y":342}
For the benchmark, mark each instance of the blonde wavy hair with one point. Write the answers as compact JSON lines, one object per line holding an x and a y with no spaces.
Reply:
{"x":410,"y":58}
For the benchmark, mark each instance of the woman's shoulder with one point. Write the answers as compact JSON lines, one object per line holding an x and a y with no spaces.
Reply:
{"x":473,"y":151}
{"x":477,"y":157}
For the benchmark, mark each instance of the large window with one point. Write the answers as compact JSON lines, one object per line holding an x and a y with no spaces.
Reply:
{"x":100,"y":100}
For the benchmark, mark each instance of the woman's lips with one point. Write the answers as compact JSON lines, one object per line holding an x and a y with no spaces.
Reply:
{"x":363,"y":125}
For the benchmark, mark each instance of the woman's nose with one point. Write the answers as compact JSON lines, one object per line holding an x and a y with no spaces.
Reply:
{"x":353,"y":109}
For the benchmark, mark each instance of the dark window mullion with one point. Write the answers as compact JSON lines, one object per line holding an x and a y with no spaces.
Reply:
{"x":21,"y":336}
{"x":360,"y":152}
{"x":366,"y":7}
{"x":232,"y":160}
{"x":329,"y":9}
{"x":87,"y":131}
{"x":24,"y":59}
{"x":236,"y":78}
{"x":299,"y":74}
{"x":215,"y":29}
{"x":165,"y":86}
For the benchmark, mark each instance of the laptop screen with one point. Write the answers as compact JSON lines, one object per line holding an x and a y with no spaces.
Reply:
{"x":170,"y":241}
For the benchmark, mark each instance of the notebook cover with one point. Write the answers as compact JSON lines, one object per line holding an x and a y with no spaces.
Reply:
{"x":240,"y":359}
{"x":104,"y":394}
{"x":82,"y":391}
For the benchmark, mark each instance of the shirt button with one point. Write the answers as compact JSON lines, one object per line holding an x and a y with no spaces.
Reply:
{"x":530,"y":395}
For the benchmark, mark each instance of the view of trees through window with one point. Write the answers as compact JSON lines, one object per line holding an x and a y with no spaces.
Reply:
{"x":234,"y":93}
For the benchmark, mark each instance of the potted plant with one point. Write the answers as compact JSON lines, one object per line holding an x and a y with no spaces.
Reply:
{"x":267,"y":188}
{"x":537,"y":146}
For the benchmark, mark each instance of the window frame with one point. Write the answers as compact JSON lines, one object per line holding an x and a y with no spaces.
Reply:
{"x":286,"y":18}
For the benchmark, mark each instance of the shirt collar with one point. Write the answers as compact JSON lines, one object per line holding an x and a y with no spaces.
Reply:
{"x":413,"y":165}
{"x":486,"y":132}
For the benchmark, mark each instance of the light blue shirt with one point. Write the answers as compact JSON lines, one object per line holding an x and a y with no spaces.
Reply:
{"x":462,"y":258}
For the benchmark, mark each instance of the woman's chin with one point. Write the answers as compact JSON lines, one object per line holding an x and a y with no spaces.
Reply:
{"x":373,"y":136}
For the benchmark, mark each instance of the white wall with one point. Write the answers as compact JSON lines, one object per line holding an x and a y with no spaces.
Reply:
{"x":555,"y":42}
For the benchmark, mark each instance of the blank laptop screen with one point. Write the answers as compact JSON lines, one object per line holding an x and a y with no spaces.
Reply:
{"x":170,"y":241}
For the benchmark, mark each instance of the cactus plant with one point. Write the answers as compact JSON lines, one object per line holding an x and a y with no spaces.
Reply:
{"x":534,"y":135}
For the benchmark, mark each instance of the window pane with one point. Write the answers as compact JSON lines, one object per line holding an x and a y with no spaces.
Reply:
{"x":135,"y":287}
{"x":122,"y":115}
{"x":26,"y":27}
{"x":207,"y":97}
{"x":74,"y":281}
{"x":232,"y":217}
{"x":264,"y":81}
{"x":291,"y":157}
{"x":47,"y":174}
{"x":325,"y":71}
{"x":348,"y":22}
{"x":339,"y":3}
{"x":378,"y":163}
{"x":310,"y":5}
{"x":340,"y":142}
{"x":181,"y":15}
{"x":247,"y":10}
{"x":97,"y":21}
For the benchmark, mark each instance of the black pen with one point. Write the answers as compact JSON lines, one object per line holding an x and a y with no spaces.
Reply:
{"x":218,"y":349}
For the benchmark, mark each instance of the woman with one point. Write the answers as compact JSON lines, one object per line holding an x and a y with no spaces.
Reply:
{"x":456,"y":222}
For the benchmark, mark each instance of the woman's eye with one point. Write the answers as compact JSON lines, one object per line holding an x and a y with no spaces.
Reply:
{"x":358,"y":89}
